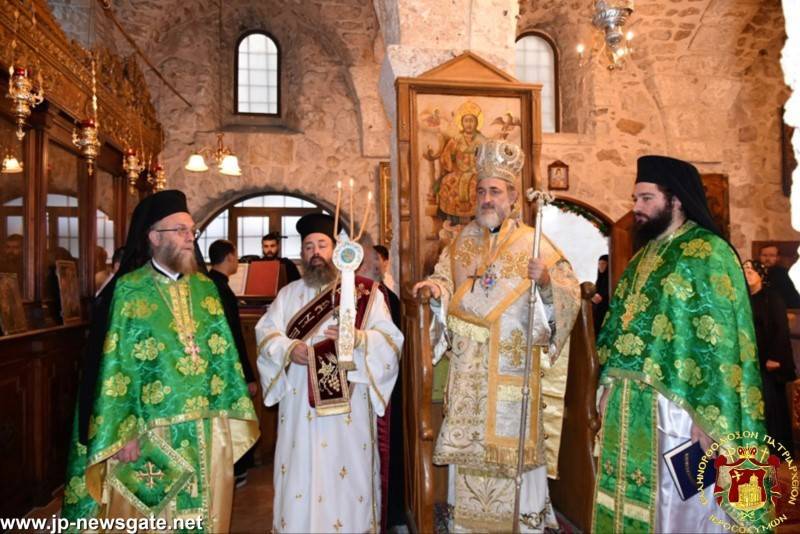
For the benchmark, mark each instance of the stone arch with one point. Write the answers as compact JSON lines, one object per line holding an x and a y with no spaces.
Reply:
{"x":347,"y":31}
{"x":216,"y":206}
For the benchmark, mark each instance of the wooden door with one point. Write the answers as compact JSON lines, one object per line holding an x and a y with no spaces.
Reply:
{"x":620,"y":247}
{"x":573,"y":492}
{"x":419,"y":433}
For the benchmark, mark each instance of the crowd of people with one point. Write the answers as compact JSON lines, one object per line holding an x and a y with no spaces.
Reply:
{"x":693,"y":344}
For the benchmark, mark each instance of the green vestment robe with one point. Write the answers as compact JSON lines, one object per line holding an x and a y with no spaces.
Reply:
{"x":680,"y":325}
{"x":170,"y":376}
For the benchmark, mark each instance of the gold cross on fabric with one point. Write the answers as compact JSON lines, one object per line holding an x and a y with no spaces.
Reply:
{"x":638,"y":477}
{"x":150,"y":473}
{"x":515,"y":347}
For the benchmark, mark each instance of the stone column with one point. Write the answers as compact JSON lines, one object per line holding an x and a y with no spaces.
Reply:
{"x":790,"y":62}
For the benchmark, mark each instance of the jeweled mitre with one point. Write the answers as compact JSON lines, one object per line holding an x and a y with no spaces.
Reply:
{"x":499,"y":159}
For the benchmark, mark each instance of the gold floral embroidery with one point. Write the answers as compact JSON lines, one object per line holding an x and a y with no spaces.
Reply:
{"x":239,"y":369}
{"x":94,"y":425}
{"x":629,"y":345}
{"x":514,"y":346}
{"x":731,"y":374}
{"x":138,"y":309}
{"x":217,"y":385}
{"x":622,"y":288}
{"x":662,"y":327}
{"x":212,"y":305}
{"x":244,"y":405}
{"x":602,"y":354}
{"x":189,"y":365}
{"x":465,"y":252}
{"x":343,"y":472}
{"x":753,"y":403}
{"x":653,"y":369}
{"x":721,"y":424}
{"x":677,"y":286}
{"x":218,"y":344}
{"x":195,"y":403}
{"x":697,"y":248}
{"x":127,"y":427}
{"x":689,"y":372}
{"x":707,"y":329}
{"x":116,"y":385}
{"x":723,"y":286}
{"x":75,"y":490}
{"x":338,"y":525}
{"x":747,"y":349}
{"x":147,"y":349}
{"x":110,"y":344}
{"x":710,"y":412}
{"x":634,"y":305}
{"x":80,"y":448}
{"x":155,"y":392}
{"x":514,"y":264}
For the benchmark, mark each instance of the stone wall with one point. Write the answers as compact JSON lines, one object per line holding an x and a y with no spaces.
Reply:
{"x":704,"y":84}
{"x":332,"y":127}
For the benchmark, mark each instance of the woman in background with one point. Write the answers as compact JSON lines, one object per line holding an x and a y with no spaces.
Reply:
{"x":774,"y":351}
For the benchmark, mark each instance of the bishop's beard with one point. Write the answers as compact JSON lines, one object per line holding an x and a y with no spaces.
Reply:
{"x":652,"y":227}
{"x":318,"y":272}
{"x":176,"y":259}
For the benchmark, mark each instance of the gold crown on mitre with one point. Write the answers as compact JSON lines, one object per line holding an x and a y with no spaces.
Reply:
{"x":499,"y":159}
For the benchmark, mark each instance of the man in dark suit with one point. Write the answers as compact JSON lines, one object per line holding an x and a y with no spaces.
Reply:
{"x":224,"y":263}
{"x":778,"y":277}
{"x":271,"y":247}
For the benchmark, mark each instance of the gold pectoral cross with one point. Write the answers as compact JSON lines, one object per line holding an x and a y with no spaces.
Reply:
{"x":150,"y":473}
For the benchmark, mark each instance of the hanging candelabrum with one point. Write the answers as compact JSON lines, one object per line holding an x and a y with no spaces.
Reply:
{"x":610,"y":17}
{"x":158,"y":177}
{"x":133,"y":168}
{"x":85,"y":135}
{"x":24,"y":96}
{"x":23,"y":93}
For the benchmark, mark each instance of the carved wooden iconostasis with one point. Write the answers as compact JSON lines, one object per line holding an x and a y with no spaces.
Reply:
{"x":56,"y":213}
{"x":442,"y":115}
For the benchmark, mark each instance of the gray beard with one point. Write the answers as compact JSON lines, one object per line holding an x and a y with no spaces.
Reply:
{"x":175,"y":259}
{"x":490,"y":220}
{"x":318,"y":276}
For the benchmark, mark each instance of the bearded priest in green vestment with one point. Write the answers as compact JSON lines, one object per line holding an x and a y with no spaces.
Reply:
{"x":480,"y":287}
{"x":163,"y":410}
{"x":678,"y":357}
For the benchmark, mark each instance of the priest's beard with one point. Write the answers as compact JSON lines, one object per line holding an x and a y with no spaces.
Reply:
{"x":491,"y":215}
{"x":270,"y":256}
{"x":652,"y":227}
{"x":175,"y":258}
{"x":318,"y":272}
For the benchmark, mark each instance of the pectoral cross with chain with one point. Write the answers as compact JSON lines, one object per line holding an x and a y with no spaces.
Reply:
{"x":151,"y":472}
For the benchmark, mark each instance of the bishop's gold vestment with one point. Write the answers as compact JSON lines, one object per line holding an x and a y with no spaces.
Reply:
{"x":483,"y":312}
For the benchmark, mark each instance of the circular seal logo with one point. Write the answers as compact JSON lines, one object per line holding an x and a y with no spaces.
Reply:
{"x":746,"y":485}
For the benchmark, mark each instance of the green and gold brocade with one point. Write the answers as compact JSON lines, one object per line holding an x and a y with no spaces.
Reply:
{"x":680,"y":325}
{"x":170,"y":371}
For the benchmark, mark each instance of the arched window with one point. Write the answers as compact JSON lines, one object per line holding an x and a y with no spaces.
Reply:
{"x":245,"y":222}
{"x":257,"y":75}
{"x":537,"y":62}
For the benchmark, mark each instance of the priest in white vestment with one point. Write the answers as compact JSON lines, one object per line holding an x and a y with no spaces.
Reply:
{"x":480,"y":289}
{"x":326,"y":474}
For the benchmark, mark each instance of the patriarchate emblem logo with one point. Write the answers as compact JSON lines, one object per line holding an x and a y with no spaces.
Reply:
{"x":746,"y":487}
